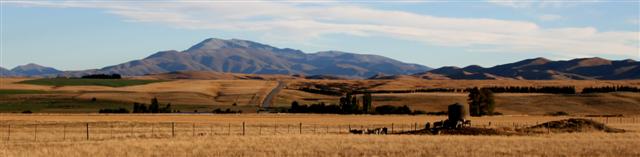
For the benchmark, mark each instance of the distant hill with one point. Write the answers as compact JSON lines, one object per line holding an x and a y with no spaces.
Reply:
{"x":30,"y":69}
{"x":6,"y":72}
{"x":545,"y":69}
{"x":248,"y":57}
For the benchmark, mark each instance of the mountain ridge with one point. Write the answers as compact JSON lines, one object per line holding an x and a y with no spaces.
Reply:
{"x":249,"y":57}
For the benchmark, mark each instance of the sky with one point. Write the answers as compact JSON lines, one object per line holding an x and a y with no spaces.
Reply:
{"x":78,"y":35}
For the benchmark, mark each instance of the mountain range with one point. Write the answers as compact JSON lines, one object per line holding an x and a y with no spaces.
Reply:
{"x":543,"y":69}
{"x":248,"y":57}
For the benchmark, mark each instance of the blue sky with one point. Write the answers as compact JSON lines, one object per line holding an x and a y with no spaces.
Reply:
{"x":76,"y":35}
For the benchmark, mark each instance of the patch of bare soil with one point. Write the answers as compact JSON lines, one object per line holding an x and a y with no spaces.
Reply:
{"x":462,"y":131}
{"x":571,"y":125}
{"x":561,"y":126}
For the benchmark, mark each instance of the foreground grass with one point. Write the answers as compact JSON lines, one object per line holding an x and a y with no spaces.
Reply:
{"x":88,"y":82}
{"x":585,"y":144}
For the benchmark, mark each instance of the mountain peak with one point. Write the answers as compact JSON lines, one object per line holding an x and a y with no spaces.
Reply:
{"x":216,"y":43}
{"x":538,"y":61}
{"x":594,"y":61}
{"x":34,"y":69}
{"x":29,"y":66}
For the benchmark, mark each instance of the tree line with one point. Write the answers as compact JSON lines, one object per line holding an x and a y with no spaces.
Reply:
{"x":608,"y":89}
{"x":494,"y":89}
{"x":102,"y":76}
{"x":352,"y":104}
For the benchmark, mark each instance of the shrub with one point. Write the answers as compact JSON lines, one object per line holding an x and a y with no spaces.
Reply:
{"x":558,"y":113}
{"x":119,"y":110}
{"x":27,"y":112}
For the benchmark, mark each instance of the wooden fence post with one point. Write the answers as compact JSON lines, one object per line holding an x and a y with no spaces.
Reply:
{"x":243,"y":130}
{"x":111,"y":130}
{"x":9,"y":133}
{"x":300,"y":128}
{"x":87,"y":131}
{"x":327,"y":129}
{"x":35,"y":132}
{"x":392,"y":128}
{"x":64,"y":132}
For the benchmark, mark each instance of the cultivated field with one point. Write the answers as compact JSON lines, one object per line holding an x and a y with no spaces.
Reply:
{"x":189,"y":95}
{"x":202,"y":141}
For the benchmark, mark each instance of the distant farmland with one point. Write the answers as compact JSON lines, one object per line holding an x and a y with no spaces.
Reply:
{"x":88,"y":82}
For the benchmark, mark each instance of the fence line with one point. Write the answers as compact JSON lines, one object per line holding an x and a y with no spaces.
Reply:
{"x":43,"y":131}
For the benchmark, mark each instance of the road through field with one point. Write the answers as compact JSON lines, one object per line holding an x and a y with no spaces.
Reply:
{"x":268,"y":99}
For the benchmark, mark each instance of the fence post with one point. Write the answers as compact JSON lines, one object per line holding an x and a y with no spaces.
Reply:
{"x":415,"y":126}
{"x":173,"y":129}
{"x":288,"y":128}
{"x":243,"y":132}
{"x":87,"y":131}
{"x":349,"y":127}
{"x":64,"y":132}
{"x":327,"y":129}
{"x":9,"y":133}
{"x":300,"y":127}
{"x":111,"y":130}
{"x":392,"y":128}
{"x":35,"y":132}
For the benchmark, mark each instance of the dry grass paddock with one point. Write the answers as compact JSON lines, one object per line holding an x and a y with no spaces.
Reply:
{"x":248,"y":94}
{"x":159,"y":142}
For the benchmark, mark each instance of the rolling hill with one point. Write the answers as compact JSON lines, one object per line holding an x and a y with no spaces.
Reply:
{"x":544,"y":69}
{"x":30,"y":69}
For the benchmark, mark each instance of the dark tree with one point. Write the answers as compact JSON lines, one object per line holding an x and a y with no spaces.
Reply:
{"x":155,"y":106}
{"x":366,"y":103}
{"x":481,"y":102}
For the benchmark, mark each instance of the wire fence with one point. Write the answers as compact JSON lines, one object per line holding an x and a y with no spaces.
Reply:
{"x":50,"y":131}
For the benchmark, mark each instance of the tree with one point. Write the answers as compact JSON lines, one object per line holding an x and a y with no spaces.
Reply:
{"x":140,"y":108}
{"x":366,"y":103}
{"x":348,"y":104}
{"x":155,"y":106}
{"x":481,"y":102}
{"x":474,"y":102}
{"x":488,"y":102}
{"x":295,"y":107}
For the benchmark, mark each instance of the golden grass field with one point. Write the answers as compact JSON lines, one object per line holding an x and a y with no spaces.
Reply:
{"x":64,"y":134}
{"x":249,"y":94}
{"x":319,"y":143}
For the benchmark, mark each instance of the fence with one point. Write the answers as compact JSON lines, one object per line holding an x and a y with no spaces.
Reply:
{"x":48,"y":131}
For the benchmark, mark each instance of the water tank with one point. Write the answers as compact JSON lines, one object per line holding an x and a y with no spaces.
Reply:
{"x":457,"y":112}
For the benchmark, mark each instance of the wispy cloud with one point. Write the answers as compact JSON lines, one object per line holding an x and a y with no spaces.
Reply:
{"x":549,"y":17}
{"x":541,"y":3}
{"x":299,"y":22}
